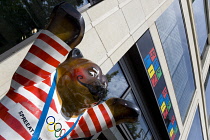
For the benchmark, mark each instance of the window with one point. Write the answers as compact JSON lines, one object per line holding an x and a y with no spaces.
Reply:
{"x":140,"y":129}
{"x":175,"y":45}
{"x":19,"y":19}
{"x":200,"y":23}
{"x":120,"y":87}
{"x":196,"y":130}
{"x":117,"y":82}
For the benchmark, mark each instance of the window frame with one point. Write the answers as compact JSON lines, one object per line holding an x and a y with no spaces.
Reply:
{"x":207,"y":20}
{"x":190,"y":56}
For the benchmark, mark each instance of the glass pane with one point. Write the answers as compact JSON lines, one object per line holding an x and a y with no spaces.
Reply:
{"x":173,"y":37}
{"x":208,"y":95}
{"x":200,"y":23}
{"x":138,"y":130}
{"x":117,"y":83}
{"x":20,"y":19}
{"x":207,"y":78}
{"x":196,"y":130}
{"x":149,"y":136}
{"x":131,"y":98}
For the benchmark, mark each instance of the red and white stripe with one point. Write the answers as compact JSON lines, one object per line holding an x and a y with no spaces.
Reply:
{"x":44,"y":56}
{"x":94,"y":120}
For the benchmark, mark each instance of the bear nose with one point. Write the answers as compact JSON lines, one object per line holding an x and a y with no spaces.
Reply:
{"x":100,"y":93}
{"x":98,"y":88}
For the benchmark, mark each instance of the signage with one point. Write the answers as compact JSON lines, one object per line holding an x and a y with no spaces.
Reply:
{"x":157,"y":80}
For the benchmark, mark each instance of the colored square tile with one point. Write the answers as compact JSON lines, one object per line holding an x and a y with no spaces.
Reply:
{"x":164,"y":92}
{"x":160,"y":100}
{"x":173,"y":137}
{"x":171,"y":132}
{"x":168,"y":105}
{"x":159,"y":73}
{"x":167,"y":99}
{"x":170,"y":126}
{"x":175,"y":124}
{"x":156,"y":64}
{"x":151,"y":71}
{"x":173,"y":120}
{"x":147,"y":61}
{"x":152,"y":54}
{"x":176,"y":129}
{"x":165,"y":113}
{"x":154,"y":80}
{"x":163,"y":107}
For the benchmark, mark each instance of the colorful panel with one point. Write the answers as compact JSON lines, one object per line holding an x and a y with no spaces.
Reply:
{"x":156,"y":77}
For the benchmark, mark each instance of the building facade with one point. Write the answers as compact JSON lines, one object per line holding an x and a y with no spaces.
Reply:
{"x":155,"y":53}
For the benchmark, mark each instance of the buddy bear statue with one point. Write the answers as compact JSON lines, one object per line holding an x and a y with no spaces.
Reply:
{"x":53,"y":98}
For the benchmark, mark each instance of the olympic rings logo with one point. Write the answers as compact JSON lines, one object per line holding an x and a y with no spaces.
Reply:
{"x":55,"y":127}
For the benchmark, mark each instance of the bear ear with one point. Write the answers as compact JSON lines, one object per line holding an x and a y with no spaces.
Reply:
{"x":75,"y":53}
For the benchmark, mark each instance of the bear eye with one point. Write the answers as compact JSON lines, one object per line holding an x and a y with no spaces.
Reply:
{"x":93,"y":72}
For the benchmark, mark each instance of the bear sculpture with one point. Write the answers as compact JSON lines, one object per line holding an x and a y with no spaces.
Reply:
{"x":53,"y":98}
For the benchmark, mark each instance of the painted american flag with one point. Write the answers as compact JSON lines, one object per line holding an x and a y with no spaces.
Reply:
{"x":23,"y":104}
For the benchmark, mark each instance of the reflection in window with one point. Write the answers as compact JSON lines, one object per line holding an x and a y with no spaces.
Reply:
{"x":20,"y":19}
{"x":196,"y":130}
{"x":200,"y":23}
{"x":117,"y":83}
{"x":173,"y":37}
{"x":138,"y":130}
{"x":207,"y":87}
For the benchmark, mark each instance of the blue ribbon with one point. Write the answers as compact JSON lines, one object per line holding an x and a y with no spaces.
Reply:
{"x":45,"y":110}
